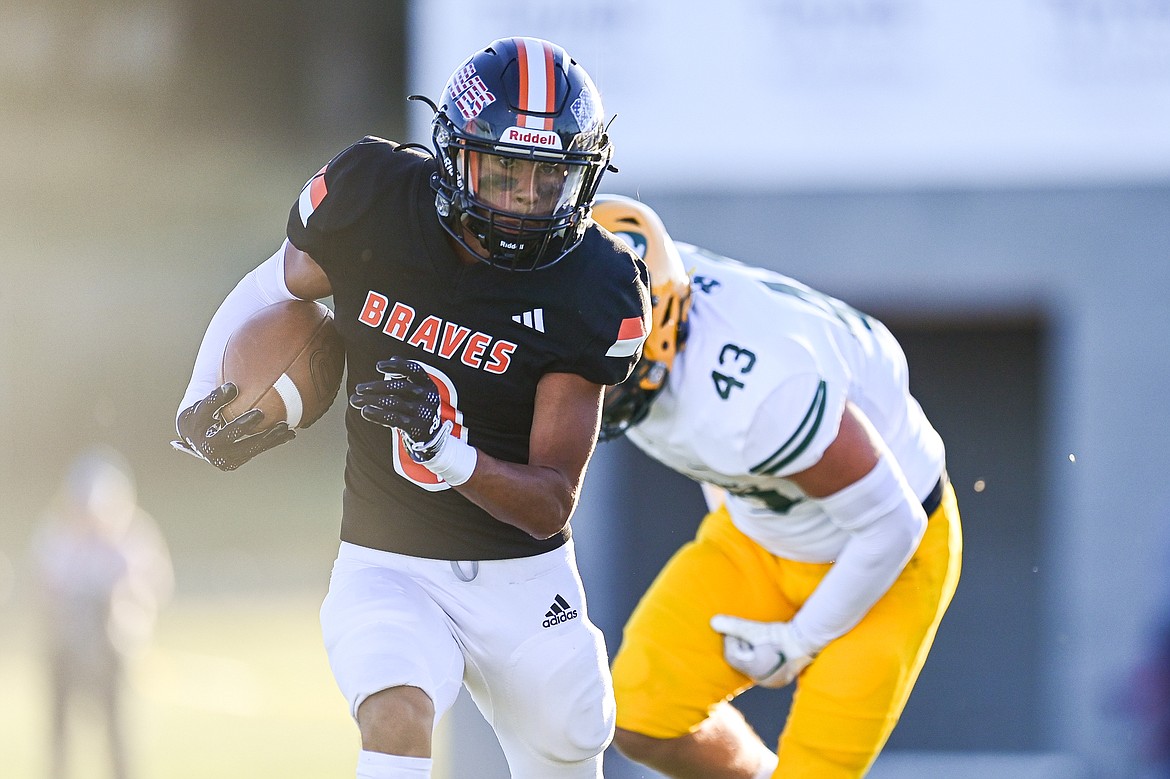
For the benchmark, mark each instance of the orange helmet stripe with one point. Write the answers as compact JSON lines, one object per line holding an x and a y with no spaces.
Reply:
{"x":537,"y":82}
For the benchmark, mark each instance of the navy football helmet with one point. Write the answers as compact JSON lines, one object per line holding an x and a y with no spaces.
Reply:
{"x":522,"y":145}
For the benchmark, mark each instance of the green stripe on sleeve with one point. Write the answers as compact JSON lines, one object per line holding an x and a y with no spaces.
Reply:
{"x":800,"y":440}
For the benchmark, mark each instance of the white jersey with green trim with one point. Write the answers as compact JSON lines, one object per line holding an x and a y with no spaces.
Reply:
{"x":758,"y":392}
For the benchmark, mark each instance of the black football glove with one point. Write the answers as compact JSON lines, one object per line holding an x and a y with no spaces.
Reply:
{"x":227,"y":446}
{"x":406,"y":399}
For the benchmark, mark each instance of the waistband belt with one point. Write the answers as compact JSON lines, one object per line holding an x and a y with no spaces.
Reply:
{"x":932,"y":501}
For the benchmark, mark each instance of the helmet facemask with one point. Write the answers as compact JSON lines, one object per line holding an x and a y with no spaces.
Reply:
{"x":514,"y":207}
{"x":628,"y":403}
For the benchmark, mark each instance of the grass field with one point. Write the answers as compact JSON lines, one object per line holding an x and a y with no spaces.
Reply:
{"x":229,"y":689}
{"x":240,"y":689}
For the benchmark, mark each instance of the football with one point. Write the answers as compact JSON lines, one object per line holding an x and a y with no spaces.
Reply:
{"x":287,"y":360}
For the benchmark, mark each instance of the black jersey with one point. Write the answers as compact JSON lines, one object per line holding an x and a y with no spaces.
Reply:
{"x":485,"y":335}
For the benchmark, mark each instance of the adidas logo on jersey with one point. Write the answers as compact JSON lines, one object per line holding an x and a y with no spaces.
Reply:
{"x":533,"y":319}
{"x":559,"y":612}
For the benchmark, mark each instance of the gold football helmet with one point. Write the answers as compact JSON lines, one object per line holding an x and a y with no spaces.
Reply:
{"x":635,"y":223}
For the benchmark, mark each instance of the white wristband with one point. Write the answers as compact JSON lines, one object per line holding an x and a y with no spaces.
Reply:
{"x":454,"y":462}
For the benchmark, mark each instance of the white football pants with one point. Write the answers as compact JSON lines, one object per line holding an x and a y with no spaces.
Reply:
{"x":516,"y":632}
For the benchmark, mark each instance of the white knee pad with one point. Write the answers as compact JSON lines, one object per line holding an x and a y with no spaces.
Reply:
{"x":558,"y":714}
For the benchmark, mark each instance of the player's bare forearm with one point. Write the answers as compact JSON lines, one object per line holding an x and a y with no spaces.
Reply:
{"x":538,"y":500}
{"x":539,"y":496}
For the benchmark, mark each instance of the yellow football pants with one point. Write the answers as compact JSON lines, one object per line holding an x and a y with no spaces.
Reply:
{"x":670,"y":670}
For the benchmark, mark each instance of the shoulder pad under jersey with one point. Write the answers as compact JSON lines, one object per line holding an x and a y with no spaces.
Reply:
{"x":344,"y":189}
{"x":617,"y":308}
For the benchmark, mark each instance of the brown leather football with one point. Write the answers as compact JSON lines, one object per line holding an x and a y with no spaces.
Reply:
{"x":287,"y":360}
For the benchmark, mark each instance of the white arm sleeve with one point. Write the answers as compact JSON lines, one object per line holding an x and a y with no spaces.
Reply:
{"x":264,"y":286}
{"x":886,"y":523}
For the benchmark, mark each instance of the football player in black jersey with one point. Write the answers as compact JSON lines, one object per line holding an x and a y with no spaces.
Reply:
{"x":483,"y":313}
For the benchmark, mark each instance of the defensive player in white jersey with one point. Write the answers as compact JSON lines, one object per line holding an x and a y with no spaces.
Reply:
{"x":832,"y":547}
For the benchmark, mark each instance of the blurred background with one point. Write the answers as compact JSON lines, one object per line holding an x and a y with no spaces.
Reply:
{"x":990,"y":178}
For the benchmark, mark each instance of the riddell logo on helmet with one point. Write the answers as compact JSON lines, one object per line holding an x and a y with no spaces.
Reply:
{"x":529,"y":137}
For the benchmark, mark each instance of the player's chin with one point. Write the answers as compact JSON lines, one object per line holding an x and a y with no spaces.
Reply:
{"x":508,"y":225}
{"x":520,"y":220}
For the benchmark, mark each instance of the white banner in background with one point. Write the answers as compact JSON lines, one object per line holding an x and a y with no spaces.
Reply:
{"x":782,"y":94}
